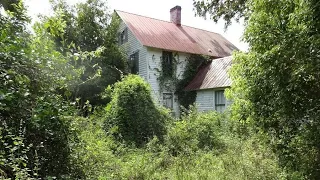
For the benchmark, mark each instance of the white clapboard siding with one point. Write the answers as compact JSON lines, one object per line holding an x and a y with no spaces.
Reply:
{"x":205,"y":100}
{"x":132,"y":46}
{"x":154,"y":69}
{"x":181,"y":64}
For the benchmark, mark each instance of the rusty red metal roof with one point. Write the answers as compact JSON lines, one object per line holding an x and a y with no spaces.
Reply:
{"x":168,"y":36}
{"x":212,"y":75}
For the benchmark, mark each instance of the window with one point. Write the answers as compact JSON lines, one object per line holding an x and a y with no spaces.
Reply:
{"x":220,"y":101}
{"x":167,"y":66}
{"x":134,"y":63}
{"x":168,"y":100}
{"x":123,"y":36}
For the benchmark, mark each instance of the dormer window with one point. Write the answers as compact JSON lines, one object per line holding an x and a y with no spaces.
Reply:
{"x":123,"y":36}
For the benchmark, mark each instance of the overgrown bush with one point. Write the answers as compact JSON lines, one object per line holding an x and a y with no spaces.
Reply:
{"x":132,"y":115}
{"x":206,"y":147}
{"x":93,"y":150}
{"x":276,"y":85}
{"x":195,"y":132}
{"x":13,"y":156}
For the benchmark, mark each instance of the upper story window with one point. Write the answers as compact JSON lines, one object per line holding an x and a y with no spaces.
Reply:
{"x":134,"y":63}
{"x":167,"y":63}
{"x":220,"y":101}
{"x":123,"y":36}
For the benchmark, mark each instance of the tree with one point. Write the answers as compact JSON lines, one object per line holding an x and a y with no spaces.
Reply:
{"x":9,"y":5}
{"x":225,"y":9}
{"x":42,"y":73}
{"x":34,"y":129}
{"x":276,"y":84}
{"x":89,"y":31}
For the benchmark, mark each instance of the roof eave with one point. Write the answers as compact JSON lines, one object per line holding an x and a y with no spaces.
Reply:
{"x":202,"y":89}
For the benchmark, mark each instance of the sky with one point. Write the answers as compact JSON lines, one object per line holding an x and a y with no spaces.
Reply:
{"x":159,"y":9}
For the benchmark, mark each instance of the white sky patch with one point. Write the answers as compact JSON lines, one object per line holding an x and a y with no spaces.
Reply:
{"x":159,"y":10}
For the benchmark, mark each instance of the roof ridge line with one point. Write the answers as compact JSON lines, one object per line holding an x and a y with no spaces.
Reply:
{"x":143,"y":16}
{"x":167,"y":21}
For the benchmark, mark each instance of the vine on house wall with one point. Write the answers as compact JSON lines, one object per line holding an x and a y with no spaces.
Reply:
{"x":168,"y":74}
{"x":169,"y":81}
{"x":187,"y":98}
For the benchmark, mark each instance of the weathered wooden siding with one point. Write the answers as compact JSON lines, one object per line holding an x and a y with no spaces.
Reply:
{"x":205,"y":100}
{"x":132,"y":46}
{"x":154,"y":69}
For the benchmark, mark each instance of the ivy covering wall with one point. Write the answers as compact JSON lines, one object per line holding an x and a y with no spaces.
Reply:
{"x":168,"y":77}
{"x":187,"y":98}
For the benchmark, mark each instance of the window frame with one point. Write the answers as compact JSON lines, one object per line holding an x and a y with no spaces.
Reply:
{"x":163,"y":99}
{"x":216,"y":99}
{"x":134,"y":63}
{"x":123,"y":36}
{"x":167,"y":63}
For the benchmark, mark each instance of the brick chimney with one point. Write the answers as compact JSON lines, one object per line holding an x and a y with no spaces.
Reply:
{"x":175,"y":15}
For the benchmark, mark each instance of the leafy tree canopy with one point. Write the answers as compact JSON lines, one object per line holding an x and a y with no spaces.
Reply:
{"x":34,"y":131}
{"x":89,"y":32}
{"x":276,"y":84}
{"x":9,"y":5}
{"x":225,"y":9}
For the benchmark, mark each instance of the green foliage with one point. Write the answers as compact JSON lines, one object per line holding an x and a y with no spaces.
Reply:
{"x":276,"y":85}
{"x":11,"y":5}
{"x":225,"y":9}
{"x":132,"y":115}
{"x":168,"y":75}
{"x":17,"y":72}
{"x":49,"y":131}
{"x":88,"y":32}
{"x":168,"y":78}
{"x":34,"y":134}
{"x":187,"y":98}
{"x":275,"y":91}
{"x":93,"y":150}
{"x":14,"y":156}
{"x":35,"y":92}
{"x":194,"y":132}
{"x":215,"y":151}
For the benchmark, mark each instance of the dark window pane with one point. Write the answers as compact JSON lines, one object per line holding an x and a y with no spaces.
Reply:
{"x":134,"y":63}
{"x":220,"y":101}
{"x":124,"y":36}
{"x":167,"y":65}
{"x":168,"y":100}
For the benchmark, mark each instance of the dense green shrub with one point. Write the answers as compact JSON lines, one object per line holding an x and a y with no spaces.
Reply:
{"x":195,"y":132}
{"x":132,"y":115}
{"x":13,"y":156}
{"x":34,"y":134}
{"x":92,"y":150}
{"x":276,"y":85}
{"x":103,"y":157}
